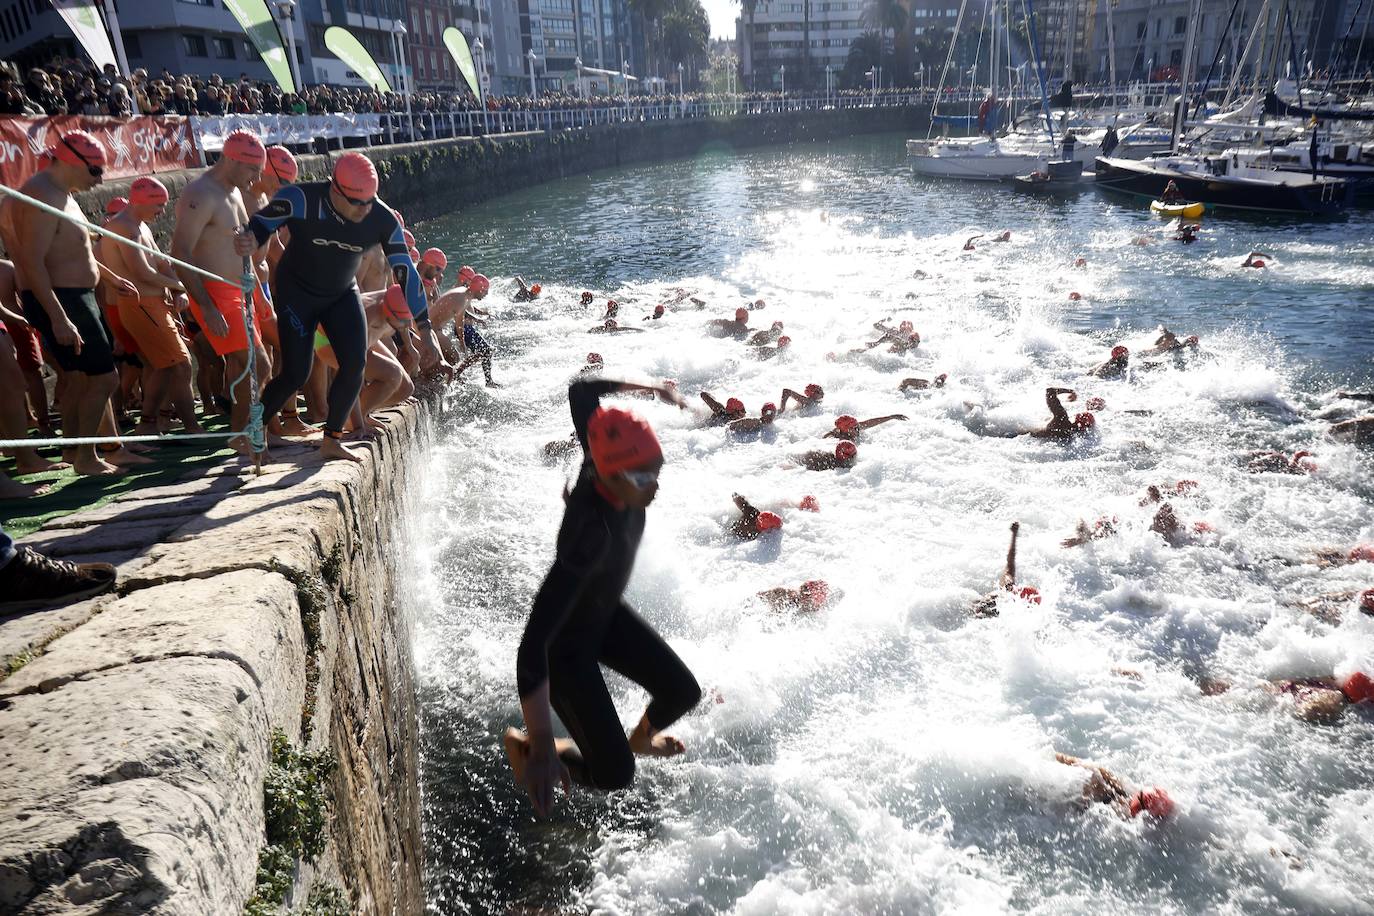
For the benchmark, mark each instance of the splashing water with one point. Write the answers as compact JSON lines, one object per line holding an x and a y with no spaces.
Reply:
{"x":889,"y":753}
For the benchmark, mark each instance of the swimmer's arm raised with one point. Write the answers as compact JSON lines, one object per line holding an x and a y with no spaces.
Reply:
{"x":877,"y":421}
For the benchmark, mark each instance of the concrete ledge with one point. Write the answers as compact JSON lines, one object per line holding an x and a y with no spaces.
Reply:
{"x":137,"y":726}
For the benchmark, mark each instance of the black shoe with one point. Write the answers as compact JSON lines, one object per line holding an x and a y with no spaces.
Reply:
{"x":32,"y":580}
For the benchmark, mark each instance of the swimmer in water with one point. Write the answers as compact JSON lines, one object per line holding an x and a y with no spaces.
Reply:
{"x":1154,"y":493}
{"x":766,"y":416}
{"x":525,"y":293}
{"x":753,"y":306}
{"x":1329,"y":608}
{"x":732,"y":409}
{"x":751,"y":522}
{"x":725,"y":327}
{"x":658,"y":313}
{"x":1279,"y":463}
{"x":1359,"y":431}
{"x":920,"y":384}
{"x":1102,"y":528}
{"x":1061,"y":427}
{"x":812,"y":398}
{"x":1187,"y":233}
{"x":813,"y":595}
{"x":611,"y":326}
{"x":1167,"y":525}
{"x":1356,"y":395}
{"x":1004,"y":237}
{"x":769,"y":352}
{"x":1332,"y":557}
{"x":1105,"y":788}
{"x":594,"y":364}
{"x":1319,"y":700}
{"x":1256,"y":259}
{"x":612,"y":309}
{"x":587,"y":297}
{"x":844,"y":456}
{"x":1168,"y":342}
{"x":849,"y":428}
{"x":759,"y":338}
{"x":903,"y":338}
{"x":968,"y":246}
{"x":580,"y":621}
{"x":559,"y":449}
{"x":986,"y":606}
{"x":1115,"y":366}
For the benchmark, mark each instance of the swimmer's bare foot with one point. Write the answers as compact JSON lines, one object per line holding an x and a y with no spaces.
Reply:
{"x":517,"y":752}
{"x":37,"y":464}
{"x":13,"y":489}
{"x":292,"y":426}
{"x":125,"y":457}
{"x":147,"y":428}
{"x":332,"y":449}
{"x":493,"y":385}
{"x":643,"y":744}
{"x":94,"y":467}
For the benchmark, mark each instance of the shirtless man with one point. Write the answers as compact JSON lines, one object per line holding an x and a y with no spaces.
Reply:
{"x":813,"y":595}
{"x":1060,"y":426}
{"x":759,"y":338}
{"x":849,"y":428}
{"x":721,"y":414}
{"x":385,"y":382}
{"x":844,"y":456}
{"x":1116,"y":364}
{"x":767,"y":414}
{"x":57,"y":274}
{"x":1106,"y":788}
{"x":611,"y":326}
{"x":457,"y":307}
{"x":14,"y":418}
{"x":751,"y":522}
{"x":208,"y":215}
{"x":1256,"y":259}
{"x":1168,"y":342}
{"x":766,"y":352}
{"x":477,"y":347}
{"x":921,"y":384}
{"x":150,"y":317}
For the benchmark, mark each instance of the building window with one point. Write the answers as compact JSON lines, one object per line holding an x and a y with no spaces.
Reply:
{"x":194,"y":45}
{"x":1140,"y":30}
{"x":1180,"y":24}
{"x":131,"y":45}
{"x":224,"y":48}
{"x":250,"y":52}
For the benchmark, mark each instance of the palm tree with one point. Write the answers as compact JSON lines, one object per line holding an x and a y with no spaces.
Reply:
{"x":686,"y":31}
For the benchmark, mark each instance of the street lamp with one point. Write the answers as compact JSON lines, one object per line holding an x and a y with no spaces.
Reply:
{"x":285,"y":11}
{"x":828,"y":71}
{"x":577,"y":64}
{"x":534,"y":93}
{"x":398,"y":31}
{"x":679,"y":77}
{"x":782,"y":73}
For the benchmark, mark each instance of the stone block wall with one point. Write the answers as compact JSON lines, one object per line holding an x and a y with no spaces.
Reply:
{"x":136,"y":726}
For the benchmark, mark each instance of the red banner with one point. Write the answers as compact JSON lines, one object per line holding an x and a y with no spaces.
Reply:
{"x":133,"y":146}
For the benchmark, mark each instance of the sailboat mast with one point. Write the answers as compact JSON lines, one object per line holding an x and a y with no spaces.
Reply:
{"x":1186,"y":77}
{"x":1111,"y":54}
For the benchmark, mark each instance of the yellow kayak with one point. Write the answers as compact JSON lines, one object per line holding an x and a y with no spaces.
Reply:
{"x":1177,"y":211}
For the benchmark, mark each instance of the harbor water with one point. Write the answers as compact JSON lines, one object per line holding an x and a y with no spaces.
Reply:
{"x":890,"y":754}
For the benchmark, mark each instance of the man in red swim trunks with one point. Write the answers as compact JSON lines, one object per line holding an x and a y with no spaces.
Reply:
{"x":208,"y":215}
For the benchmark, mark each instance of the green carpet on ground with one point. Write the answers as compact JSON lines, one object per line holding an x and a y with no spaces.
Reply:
{"x":71,"y":492}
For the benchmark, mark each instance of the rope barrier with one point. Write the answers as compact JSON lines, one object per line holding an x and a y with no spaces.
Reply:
{"x":255,"y":432}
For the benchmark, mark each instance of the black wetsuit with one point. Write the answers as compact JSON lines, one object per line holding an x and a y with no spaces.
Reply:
{"x":315,"y":286}
{"x":579,"y":621}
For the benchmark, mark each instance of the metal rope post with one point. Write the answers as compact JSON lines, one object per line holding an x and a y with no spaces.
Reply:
{"x":257,"y":439}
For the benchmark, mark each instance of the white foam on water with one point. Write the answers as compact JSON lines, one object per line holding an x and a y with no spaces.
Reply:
{"x":889,"y":753}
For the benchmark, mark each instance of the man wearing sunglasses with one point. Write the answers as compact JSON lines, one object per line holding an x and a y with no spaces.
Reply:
{"x":580,"y":621}
{"x":57,"y":273}
{"x":332,"y":224}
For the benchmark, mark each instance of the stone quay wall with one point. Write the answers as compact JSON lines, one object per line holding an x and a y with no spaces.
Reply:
{"x":136,"y":728}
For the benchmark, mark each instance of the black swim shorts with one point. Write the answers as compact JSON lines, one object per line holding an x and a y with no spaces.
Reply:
{"x":97,"y":353}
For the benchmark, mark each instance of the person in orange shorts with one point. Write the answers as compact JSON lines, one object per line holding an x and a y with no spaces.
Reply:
{"x":209,"y":213}
{"x":149,"y":318}
{"x":127,"y":362}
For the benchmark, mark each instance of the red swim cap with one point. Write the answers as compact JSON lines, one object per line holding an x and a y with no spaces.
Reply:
{"x":399,"y":218}
{"x":1203,"y":527}
{"x":814,"y":391}
{"x":148,"y":192}
{"x":769,"y":520}
{"x":1085,"y":421}
{"x":586,"y":295}
{"x":434,"y":258}
{"x":612,"y":306}
{"x":769,"y":407}
{"x":812,"y":504}
{"x":1156,"y":801}
{"x":78,"y":148}
{"x":619,"y":440}
{"x":478,"y":285}
{"x":245,"y":147}
{"x":1095,"y":403}
{"x":283,"y":165}
{"x":759,"y":303}
{"x":415,"y":254}
{"x":815,"y":592}
{"x":1358,"y":688}
{"x":845,"y":423}
{"x":913,"y":338}
{"x":940,"y":379}
{"x":1257,"y":262}
{"x":784,"y":341}
{"x":610,"y":324}
{"x":1080,"y":262}
{"x":658,"y":311}
{"x":741,"y":314}
{"x":1120,"y":352}
{"x":777,"y":325}
{"x":1029,"y":593}
{"x":465,"y":273}
{"x":1192,"y":339}
{"x":734,"y":405}
{"x":1185,"y":486}
{"x":1074,"y":297}
{"x":536,"y":289}
{"x":1363,"y":552}
{"x":1367,"y":601}
{"x":394,"y":304}
{"x":409,"y":237}
{"x":594,"y":359}
{"x":906,"y":327}
{"x":846,"y":451}
{"x":356,"y":176}
{"x":116,"y":205}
